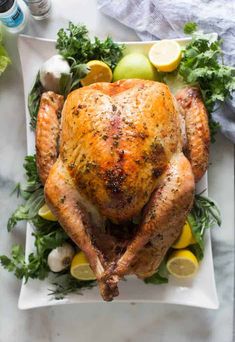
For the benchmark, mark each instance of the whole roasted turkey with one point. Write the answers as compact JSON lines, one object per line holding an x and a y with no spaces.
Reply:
{"x":114,"y":152}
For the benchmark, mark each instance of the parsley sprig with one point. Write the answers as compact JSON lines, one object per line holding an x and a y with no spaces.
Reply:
{"x":202,"y":64}
{"x":35,"y":266}
{"x":77,"y":48}
{"x":74,"y":44}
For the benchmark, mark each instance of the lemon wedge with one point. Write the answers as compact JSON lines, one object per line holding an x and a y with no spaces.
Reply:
{"x":165,"y":55}
{"x":182,"y":264}
{"x":99,"y":72}
{"x":186,"y":237}
{"x":45,"y":213}
{"x":80,"y":268}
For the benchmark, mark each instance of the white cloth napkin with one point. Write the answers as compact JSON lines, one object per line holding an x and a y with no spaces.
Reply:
{"x":159,"y":19}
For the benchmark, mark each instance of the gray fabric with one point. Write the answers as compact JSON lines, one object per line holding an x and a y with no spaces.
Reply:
{"x":159,"y":19}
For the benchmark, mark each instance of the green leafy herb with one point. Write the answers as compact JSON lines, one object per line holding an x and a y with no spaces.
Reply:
{"x":160,"y":277}
{"x":202,"y":64}
{"x":71,"y":82}
{"x":34,"y":101}
{"x":66,"y":284}
{"x":75,"y":43}
{"x":28,"y":210}
{"x":204,"y":214}
{"x":190,"y":27}
{"x":32,"y":192}
{"x":156,"y":279}
{"x":36,"y":266}
{"x":4,"y":58}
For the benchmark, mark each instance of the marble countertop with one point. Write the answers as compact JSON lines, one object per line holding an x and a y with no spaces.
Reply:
{"x":105,"y":322}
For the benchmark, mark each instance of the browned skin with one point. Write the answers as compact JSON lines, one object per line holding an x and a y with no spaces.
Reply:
{"x":47,"y":132}
{"x":120,"y":151}
{"x":163,"y":219}
{"x":197,"y":130}
{"x":196,"y":149}
{"x":117,"y":140}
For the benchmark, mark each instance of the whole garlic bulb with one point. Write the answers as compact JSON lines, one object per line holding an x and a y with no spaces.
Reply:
{"x":51,"y":72}
{"x":60,"y":257}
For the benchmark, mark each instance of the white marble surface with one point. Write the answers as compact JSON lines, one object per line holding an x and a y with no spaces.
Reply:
{"x":105,"y":322}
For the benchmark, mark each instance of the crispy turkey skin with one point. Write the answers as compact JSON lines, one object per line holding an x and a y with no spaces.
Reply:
{"x":121,"y":155}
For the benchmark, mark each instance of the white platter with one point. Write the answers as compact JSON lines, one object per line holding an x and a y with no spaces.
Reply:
{"x":199,"y":292}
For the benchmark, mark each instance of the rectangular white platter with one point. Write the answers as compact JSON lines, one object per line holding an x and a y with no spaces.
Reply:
{"x":199,"y":292}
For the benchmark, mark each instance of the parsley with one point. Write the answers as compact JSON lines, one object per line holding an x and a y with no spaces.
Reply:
{"x":190,"y":27}
{"x":202,"y":64}
{"x":76,"y":47}
{"x":47,"y":236}
{"x":74,"y":44}
{"x":36,"y":266}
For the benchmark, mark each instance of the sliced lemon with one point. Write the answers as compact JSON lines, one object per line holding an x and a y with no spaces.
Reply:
{"x":165,"y":55}
{"x":186,"y":237}
{"x":182,"y":264}
{"x":80,"y":268}
{"x":45,"y":213}
{"x":99,"y":72}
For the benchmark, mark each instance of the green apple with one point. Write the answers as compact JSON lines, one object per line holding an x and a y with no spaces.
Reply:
{"x":134,"y":65}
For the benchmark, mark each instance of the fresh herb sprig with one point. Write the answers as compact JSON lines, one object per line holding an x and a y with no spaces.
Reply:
{"x":190,"y":27}
{"x":74,"y":44}
{"x":32,"y":192}
{"x":160,"y":277}
{"x":36,"y":266}
{"x":47,"y":236}
{"x":77,"y":48}
{"x":204,"y":215}
{"x":202,"y":64}
{"x":34,"y":101}
{"x":65,"y":284}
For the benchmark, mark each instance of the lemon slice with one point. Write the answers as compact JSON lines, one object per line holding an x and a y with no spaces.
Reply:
{"x":165,"y":55}
{"x":45,"y":213}
{"x":99,"y":72}
{"x":80,"y":268}
{"x":182,"y":264}
{"x":186,"y":237}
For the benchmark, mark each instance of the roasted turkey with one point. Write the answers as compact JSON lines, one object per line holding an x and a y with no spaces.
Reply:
{"x":115,"y":152}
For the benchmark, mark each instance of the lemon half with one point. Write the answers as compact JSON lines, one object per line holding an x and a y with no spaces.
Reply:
{"x":186,"y":237}
{"x":99,"y":72}
{"x":165,"y":55}
{"x":80,"y":268}
{"x":182,"y":264}
{"x":45,"y":213}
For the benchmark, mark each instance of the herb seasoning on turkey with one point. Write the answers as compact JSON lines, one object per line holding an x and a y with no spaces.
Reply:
{"x":104,"y":185}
